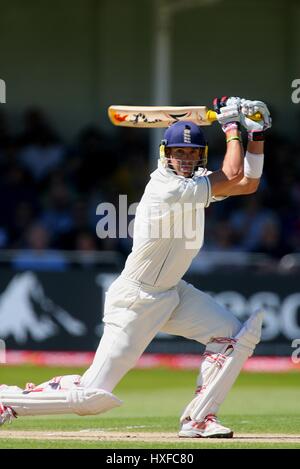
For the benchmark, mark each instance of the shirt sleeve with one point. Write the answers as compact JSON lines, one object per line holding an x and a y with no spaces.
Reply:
{"x":215,"y":198}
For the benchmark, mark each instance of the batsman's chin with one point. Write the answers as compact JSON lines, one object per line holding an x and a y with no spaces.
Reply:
{"x":185,"y":173}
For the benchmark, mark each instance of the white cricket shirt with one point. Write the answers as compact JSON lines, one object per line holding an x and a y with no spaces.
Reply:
{"x":168,"y":228}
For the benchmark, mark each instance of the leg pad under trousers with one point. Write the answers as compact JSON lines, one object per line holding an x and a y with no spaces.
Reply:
{"x":80,"y":401}
{"x":224,"y":370}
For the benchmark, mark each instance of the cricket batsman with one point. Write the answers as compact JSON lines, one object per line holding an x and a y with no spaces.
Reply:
{"x":150,"y":296}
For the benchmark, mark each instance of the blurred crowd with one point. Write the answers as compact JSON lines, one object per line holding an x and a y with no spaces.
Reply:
{"x":267,"y":222}
{"x":50,"y":190}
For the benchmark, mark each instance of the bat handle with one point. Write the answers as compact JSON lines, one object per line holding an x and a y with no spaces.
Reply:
{"x":212,"y":116}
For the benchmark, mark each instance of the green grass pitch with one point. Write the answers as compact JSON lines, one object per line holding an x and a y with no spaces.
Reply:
{"x":153,"y":400}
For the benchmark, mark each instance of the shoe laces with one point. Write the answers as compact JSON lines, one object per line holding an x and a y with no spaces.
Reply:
{"x":8,"y":413}
{"x":211,"y":418}
{"x":30,"y":386}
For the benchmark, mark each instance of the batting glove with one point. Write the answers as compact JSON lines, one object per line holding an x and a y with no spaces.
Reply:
{"x":234,"y":100}
{"x":256,"y":129}
{"x":227,"y":113}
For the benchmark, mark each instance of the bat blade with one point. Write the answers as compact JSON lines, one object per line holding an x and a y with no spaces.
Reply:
{"x":159,"y":116}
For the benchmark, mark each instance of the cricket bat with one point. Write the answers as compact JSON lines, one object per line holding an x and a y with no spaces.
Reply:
{"x":161,"y":116}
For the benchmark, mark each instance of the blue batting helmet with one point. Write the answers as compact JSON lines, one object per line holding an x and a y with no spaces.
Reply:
{"x":184,"y":134}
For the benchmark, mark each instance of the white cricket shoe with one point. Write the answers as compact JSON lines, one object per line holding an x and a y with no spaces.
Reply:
{"x":209,"y":428}
{"x":7,"y":414}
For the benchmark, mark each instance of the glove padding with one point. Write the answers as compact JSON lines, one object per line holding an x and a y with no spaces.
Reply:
{"x":227,"y":115}
{"x":219,"y":103}
{"x":227,"y":110}
{"x":229,"y":118}
{"x":249,"y":108}
{"x":234,"y":101}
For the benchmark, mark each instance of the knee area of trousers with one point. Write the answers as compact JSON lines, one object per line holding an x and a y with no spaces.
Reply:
{"x":230,"y":328}
{"x":235,"y":327}
{"x":219,"y":343}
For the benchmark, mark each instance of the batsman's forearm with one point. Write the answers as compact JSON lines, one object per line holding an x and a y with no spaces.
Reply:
{"x":257,"y":148}
{"x":233,"y":163}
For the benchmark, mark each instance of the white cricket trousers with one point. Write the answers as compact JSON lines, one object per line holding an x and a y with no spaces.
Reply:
{"x":134,"y":313}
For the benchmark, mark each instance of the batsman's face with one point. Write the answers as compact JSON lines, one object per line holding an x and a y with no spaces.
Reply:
{"x":183,"y":160}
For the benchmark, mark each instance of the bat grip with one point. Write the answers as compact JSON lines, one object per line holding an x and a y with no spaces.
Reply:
{"x":212,"y":116}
